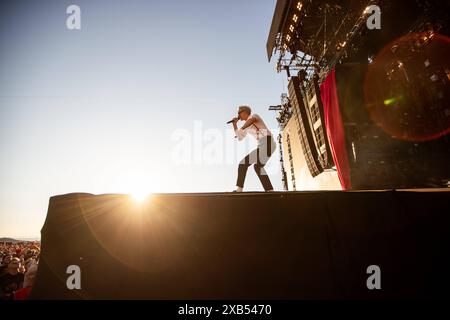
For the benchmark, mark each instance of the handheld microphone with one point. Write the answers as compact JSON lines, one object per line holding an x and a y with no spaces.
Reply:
{"x":231,"y":121}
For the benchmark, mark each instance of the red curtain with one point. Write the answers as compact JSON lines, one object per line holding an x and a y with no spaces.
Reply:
{"x":335,"y":129}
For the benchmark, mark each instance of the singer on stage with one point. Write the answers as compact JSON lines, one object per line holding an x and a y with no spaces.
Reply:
{"x":255,"y":126}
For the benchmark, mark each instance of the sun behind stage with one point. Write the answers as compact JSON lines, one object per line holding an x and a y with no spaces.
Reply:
{"x":140,"y":196}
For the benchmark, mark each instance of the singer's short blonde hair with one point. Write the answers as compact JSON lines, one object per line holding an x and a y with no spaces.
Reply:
{"x":246,"y":109}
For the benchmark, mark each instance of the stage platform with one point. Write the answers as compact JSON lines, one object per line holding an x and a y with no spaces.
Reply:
{"x":278,"y":245}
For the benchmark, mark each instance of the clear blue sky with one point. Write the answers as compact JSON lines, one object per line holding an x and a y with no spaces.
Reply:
{"x":96,"y":110}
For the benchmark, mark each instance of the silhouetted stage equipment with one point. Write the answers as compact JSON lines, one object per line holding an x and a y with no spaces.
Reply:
{"x":378,"y":154}
{"x":218,"y":246}
{"x":385,"y":121}
{"x":376,"y":157}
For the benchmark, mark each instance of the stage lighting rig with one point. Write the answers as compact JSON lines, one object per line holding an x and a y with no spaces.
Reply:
{"x":314,"y":35}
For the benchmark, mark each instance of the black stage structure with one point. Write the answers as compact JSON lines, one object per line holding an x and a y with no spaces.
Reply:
{"x":298,"y":245}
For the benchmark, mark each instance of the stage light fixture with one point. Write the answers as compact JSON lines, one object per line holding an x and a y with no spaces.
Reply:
{"x":291,"y":28}
{"x":299,"y":6}
{"x":295,"y":18}
{"x":288,"y":38}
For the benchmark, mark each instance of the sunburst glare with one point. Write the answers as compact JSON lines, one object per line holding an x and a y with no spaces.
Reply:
{"x":140,"y":196}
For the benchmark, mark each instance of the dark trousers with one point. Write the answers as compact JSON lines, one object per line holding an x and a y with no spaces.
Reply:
{"x":259,"y":158}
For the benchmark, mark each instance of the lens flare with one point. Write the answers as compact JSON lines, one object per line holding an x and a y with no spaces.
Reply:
{"x":392,"y":101}
{"x":407,"y":88}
